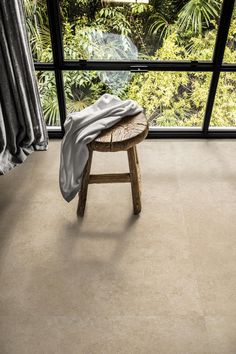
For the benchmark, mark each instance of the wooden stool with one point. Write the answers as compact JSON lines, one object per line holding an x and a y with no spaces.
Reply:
{"x":123,"y":136}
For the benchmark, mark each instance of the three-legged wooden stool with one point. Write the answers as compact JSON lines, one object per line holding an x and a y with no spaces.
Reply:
{"x":123,"y":136}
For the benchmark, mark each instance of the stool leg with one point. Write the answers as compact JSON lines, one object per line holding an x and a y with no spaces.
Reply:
{"x":136,"y":154}
{"x":134,"y":178}
{"x":84,"y":186}
{"x":138,"y":169}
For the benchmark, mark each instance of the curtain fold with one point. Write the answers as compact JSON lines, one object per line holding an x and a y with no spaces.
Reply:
{"x":22,"y":127}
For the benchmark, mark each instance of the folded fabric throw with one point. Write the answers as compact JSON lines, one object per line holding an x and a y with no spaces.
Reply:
{"x":80,"y":129}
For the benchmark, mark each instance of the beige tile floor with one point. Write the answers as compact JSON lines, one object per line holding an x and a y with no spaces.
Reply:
{"x":114,"y":283}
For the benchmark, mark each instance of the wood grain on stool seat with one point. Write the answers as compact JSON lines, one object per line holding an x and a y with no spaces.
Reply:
{"x":123,"y":135}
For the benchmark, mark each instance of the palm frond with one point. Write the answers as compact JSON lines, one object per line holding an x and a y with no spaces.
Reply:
{"x":160,"y":26}
{"x":198,"y":14}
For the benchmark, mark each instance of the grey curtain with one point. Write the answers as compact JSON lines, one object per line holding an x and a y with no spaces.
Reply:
{"x":22,"y":128}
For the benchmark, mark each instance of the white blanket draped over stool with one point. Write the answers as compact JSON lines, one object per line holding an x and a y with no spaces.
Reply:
{"x":80,"y":129}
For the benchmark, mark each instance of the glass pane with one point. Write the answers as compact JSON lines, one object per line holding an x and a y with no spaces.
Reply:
{"x":139,"y":30}
{"x":38,"y":30}
{"x":170,"y":99}
{"x":224,"y":111}
{"x":230,"y":52}
{"x":48,"y":95}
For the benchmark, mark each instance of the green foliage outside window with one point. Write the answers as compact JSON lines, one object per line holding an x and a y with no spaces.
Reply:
{"x":161,"y":30}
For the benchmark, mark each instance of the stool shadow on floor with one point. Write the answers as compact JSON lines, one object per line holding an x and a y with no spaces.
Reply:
{"x":82,"y":230}
{"x":87,"y":271}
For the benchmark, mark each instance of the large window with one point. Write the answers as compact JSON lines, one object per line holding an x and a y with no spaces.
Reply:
{"x":145,"y":30}
{"x":175,"y":58}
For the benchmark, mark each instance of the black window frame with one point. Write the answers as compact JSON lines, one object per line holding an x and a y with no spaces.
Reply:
{"x":216,"y":66}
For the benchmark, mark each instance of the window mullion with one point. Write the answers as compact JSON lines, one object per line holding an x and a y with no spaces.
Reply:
{"x":57,"y":48}
{"x":221,"y":39}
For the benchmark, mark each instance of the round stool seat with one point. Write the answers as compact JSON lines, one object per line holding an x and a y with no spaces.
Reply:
{"x":123,"y":135}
